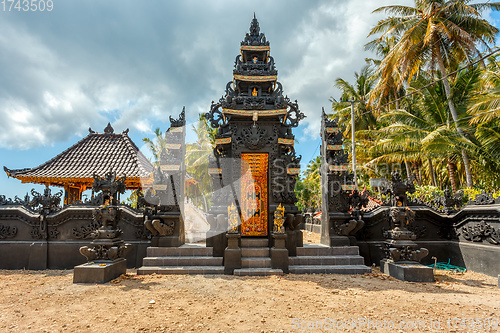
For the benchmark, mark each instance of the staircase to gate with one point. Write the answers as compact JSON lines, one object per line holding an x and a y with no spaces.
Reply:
{"x":317,"y":259}
{"x":255,"y":260}
{"x":185,"y":259}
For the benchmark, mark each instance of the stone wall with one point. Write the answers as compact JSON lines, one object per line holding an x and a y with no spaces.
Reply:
{"x":28,"y":241}
{"x":468,"y":238}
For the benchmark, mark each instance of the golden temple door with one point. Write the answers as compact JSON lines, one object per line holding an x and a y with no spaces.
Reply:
{"x":254,"y":168}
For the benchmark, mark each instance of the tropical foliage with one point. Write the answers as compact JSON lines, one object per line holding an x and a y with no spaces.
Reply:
{"x":197,"y":155}
{"x":430,"y":104}
{"x":308,"y":188}
{"x":196,"y":161}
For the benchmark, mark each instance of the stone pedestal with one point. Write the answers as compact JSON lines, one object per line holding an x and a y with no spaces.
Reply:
{"x":329,"y":226}
{"x":209,"y":238}
{"x":167,"y":229}
{"x":335,"y":240}
{"x":410,"y":271}
{"x":300,"y":238}
{"x":279,"y":253}
{"x":291,"y":242}
{"x":218,"y":241}
{"x":232,"y":254}
{"x":166,"y":241}
{"x":99,"y":271}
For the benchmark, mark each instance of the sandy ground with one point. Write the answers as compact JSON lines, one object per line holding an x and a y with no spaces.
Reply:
{"x":48,"y":301}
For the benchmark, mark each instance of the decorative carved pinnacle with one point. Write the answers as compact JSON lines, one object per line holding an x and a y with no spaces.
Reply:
{"x":109,"y":129}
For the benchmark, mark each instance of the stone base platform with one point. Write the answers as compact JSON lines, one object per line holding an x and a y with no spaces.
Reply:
{"x":255,"y":259}
{"x":99,"y":271}
{"x":185,"y":259}
{"x":322,"y":259}
{"x":257,"y":272}
{"x":407,"y":271}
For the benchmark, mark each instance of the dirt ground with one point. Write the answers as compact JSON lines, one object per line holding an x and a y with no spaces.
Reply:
{"x":48,"y":301}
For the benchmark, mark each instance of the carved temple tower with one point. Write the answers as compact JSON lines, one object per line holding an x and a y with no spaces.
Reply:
{"x":254,"y":166}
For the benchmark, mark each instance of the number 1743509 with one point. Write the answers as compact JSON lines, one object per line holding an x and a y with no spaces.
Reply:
{"x":26,"y":5}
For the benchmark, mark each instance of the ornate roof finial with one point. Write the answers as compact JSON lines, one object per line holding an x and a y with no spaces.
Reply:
{"x":254,"y":27}
{"x":179,"y":122}
{"x":109,"y":129}
{"x":255,"y":37}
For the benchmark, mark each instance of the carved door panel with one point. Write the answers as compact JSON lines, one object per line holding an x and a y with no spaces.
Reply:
{"x":73,"y":195}
{"x":254,"y":169}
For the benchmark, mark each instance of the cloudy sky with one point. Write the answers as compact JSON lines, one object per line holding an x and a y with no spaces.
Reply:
{"x":134,"y":63}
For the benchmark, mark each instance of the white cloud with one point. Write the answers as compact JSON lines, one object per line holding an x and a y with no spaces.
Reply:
{"x":330,"y":44}
{"x":137,"y":64}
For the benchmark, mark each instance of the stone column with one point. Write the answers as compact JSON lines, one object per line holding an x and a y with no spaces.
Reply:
{"x":299,"y":220}
{"x":291,"y":236}
{"x":220,"y":239}
{"x":279,"y":253}
{"x":232,"y":253}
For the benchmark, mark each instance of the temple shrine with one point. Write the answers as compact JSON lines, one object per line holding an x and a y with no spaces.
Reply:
{"x":96,"y":154}
{"x":254,"y":165}
{"x":253,"y":226}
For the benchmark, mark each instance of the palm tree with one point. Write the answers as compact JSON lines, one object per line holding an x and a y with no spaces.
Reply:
{"x":392,"y":87}
{"x":308,"y":187}
{"x":423,"y":132}
{"x":485,"y":107}
{"x":156,"y":145}
{"x":364,"y":120}
{"x":433,"y":32}
{"x":197,"y":155}
{"x":359,"y":91}
{"x":485,"y":112}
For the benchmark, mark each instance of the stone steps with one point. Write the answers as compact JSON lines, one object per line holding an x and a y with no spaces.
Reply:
{"x":254,"y":242}
{"x":328,"y":269}
{"x":257,"y":272}
{"x":182,"y":251}
{"x":255,"y":252}
{"x":255,"y":260}
{"x":320,"y":259}
{"x":182,"y":261}
{"x":180,"y":270}
{"x":321,"y":250}
{"x":186,"y":259}
{"x":326,"y":260}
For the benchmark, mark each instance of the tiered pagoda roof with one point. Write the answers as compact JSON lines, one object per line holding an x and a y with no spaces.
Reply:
{"x":254,"y":91}
{"x":96,"y":154}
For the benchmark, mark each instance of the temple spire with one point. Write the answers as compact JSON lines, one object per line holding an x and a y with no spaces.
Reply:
{"x":255,"y":37}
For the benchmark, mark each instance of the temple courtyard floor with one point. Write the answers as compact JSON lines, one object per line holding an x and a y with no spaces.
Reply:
{"x":48,"y":301}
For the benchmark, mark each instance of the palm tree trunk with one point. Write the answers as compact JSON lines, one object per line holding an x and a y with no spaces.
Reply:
{"x":419,"y":168}
{"x":433,"y":174}
{"x":451,"y":173}
{"x":396,"y":98}
{"x":417,"y":173}
{"x":408,"y":169}
{"x":454,"y":114}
